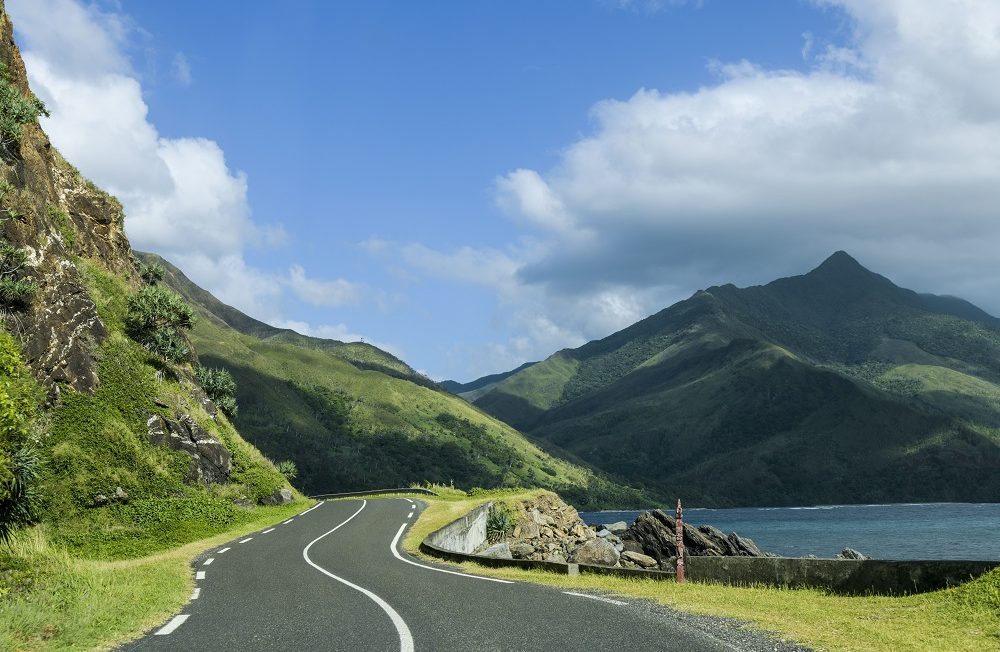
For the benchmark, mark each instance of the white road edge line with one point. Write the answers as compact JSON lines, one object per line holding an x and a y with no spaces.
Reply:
{"x":208,"y":562}
{"x":312,"y":508}
{"x":247,"y":539}
{"x":222,"y":551}
{"x":410,"y":515}
{"x":174,"y":623}
{"x":597,"y":597}
{"x":200,"y":575}
{"x":288,"y":521}
{"x":400,"y":557}
{"x":405,"y":638}
{"x":268,"y":530}
{"x":196,"y":594}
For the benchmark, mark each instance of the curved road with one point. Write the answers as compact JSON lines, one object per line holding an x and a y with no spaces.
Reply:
{"x":333,"y":578}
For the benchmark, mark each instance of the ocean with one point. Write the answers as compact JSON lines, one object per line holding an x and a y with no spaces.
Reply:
{"x":898,"y":531}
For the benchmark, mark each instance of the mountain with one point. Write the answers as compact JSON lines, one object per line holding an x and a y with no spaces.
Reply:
{"x":473,"y":390}
{"x":836,"y":386}
{"x":354,"y":417}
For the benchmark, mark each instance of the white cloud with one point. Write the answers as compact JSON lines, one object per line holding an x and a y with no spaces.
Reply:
{"x":885,"y":146}
{"x":181,"y":69}
{"x":331,"y":294}
{"x":181,"y":198}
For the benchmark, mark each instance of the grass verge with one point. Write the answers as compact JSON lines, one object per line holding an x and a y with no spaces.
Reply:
{"x":960,"y":619}
{"x":52,"y":600}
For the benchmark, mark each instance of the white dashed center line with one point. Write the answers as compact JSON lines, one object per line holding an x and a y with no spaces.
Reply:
{"x":200,"y":575}
{"x":268,"y":530}
{"x":208,"y":562}
{"x":176,"y":622}
{"x":196,"y":594}
{"x":597,"y":597}
{"x":247,"y":539}
{"x":222,"y":551}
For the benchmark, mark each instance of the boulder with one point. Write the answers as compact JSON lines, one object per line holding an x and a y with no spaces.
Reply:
{"x":617,"y":527}
{"x":522,"y":550}
{"x":654,"y":535}
{"x":597,"y":552}
{"x":210,"y":461}
{"x":851,"y":553}
{"x":639,"y":559}
{"x":279,"y":497}
{"x":120,"y":495}
{"x":498,"y":551}
{"x":743,"y":546}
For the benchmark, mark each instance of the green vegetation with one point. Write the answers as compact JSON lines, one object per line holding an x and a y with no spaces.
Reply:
{"x":288,"y":469}
{"x":16,"y":110}
{"x":499,"y":522}
{"x":966,"y":618}
{"x":157,"y":319}
{"x":16,"y":291}
{"x":836,"y":386}
{"x":151,"y":274}
{"x":19,"y":460}
{"x":64,"y":224}
{"x":220,"y":387}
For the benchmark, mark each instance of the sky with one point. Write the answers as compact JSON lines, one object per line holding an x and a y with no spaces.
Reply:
{"x":473,"y":185}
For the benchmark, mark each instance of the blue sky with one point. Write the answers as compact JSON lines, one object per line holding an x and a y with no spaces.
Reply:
{"x":473,"y":185}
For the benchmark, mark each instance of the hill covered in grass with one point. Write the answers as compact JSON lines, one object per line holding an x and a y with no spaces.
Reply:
{"x":354,"y":417}
{"x":836,"y":386}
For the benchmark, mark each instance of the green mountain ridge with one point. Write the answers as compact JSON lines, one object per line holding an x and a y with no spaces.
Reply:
{"x":353,"y":417}
{"x":834,"y":386}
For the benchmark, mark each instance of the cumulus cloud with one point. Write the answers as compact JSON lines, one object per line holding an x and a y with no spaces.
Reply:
{"x":884,"y":146}
{"x":182,"y":199}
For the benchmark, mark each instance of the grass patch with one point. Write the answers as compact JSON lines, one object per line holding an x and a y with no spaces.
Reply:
{"x":964,"y":618}
{"x":51,"y":599}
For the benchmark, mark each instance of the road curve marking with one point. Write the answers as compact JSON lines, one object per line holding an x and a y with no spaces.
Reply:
{"x":289,"y":521}
{"x":196,"y":594}
{"x":405,"y":638}
{"x":409,"y":516}
{"x":247,"y":539}
{"x":174,"y":623}
{"x":312,"y":508}
{"x":222,"y":551}
{"x":597,"y":597}
{"x":208,"y":562}
{"x":200,"y":575}
{"x":268,"y":530}
{"x":400,"y":557}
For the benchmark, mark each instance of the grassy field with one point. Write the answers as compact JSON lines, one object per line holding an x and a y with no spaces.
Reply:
{"x":51,"y":599}
{"x":965,"y":618}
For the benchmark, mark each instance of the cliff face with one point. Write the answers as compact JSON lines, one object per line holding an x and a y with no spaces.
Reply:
{"x":51,"y":211}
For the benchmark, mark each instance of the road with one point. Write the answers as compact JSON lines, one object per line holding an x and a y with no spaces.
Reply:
{"x":334,"y":578}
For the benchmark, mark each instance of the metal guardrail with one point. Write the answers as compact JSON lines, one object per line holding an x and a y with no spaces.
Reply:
{"x":375,"y":492}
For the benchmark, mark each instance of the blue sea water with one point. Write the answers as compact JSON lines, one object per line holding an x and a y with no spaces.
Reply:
{"x":903,"y":531}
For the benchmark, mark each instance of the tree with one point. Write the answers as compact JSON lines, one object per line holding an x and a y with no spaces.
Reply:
{"x":220,"y":387}
{"x":157,"y":319}
{"x":19,"y":458}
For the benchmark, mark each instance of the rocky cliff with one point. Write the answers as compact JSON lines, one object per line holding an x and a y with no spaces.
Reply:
{"x":48,"y":209}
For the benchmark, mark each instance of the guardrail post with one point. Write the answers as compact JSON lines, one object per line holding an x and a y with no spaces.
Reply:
{"x":680,"y":542}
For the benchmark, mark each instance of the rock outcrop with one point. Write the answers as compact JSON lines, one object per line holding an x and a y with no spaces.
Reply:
{"x":654,"y":534}
{"x":210,"y":460}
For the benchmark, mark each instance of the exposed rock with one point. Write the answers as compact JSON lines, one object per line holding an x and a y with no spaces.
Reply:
{"x":596,"y":551}
{"x":617,"y":527}
{"x":851,"y":553}
{"x":498,"y":551}
{"x":522,"y":550}
{"x":120,"y":495}
{"x":210,"y":460}
{"x":100,"y":500}
{"x":639,"y":559}
{"x":244,"y":502}
{"x":654,"y":533}
{"x":279,"y":497}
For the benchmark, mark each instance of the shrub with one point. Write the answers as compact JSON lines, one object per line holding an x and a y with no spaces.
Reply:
{"x":64,"y":224}
{"x":288,"y":469}
{"x":220,"y":387}
{"x":157,"y":319}
{"x":16,"y":110}
{"x":499,"y":522}
{"x":15,"y":291}
{"x":151,"y":274}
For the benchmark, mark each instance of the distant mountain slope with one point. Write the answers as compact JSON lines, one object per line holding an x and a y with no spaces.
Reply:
{"x":360,"y":354}
{"x":834,"y":386}
{"x":473,"y":390}
{"x":355,"y":417}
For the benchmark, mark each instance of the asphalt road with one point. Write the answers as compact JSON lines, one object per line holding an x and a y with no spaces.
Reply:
{"x":333,"y":578}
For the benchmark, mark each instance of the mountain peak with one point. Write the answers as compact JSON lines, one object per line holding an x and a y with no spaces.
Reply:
{"x":840,"y":262}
